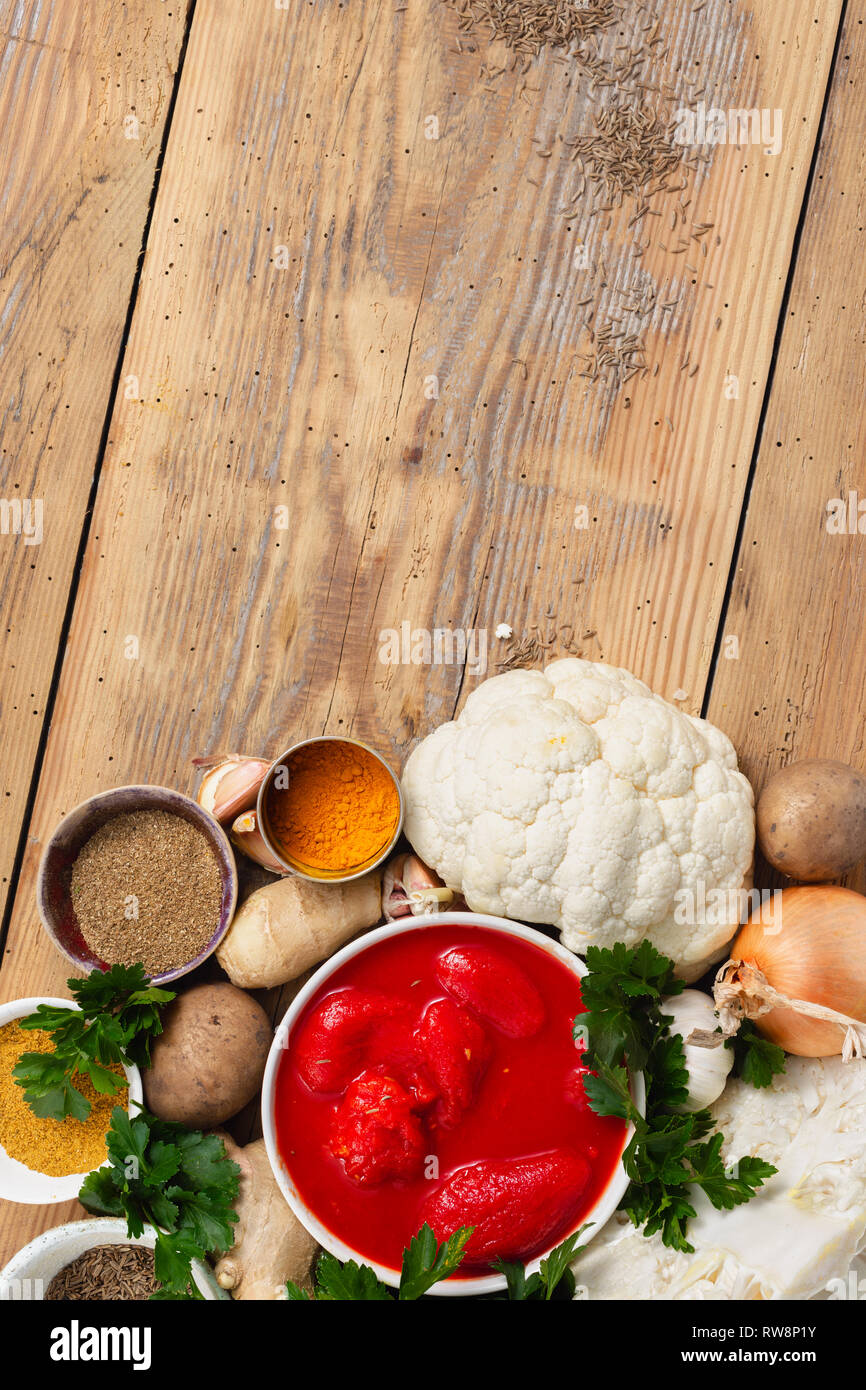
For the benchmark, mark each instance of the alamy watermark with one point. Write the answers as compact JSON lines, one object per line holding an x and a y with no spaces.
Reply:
{"x":719,"y":907}
{"x":711,"y":125}
{"x":852,"y":1288}
{"x":438,"y":646}
{"x":77,"y":1343}
{"x":22,"y":1290}
{"x":22,"y":516}
{"x":846,"y":516}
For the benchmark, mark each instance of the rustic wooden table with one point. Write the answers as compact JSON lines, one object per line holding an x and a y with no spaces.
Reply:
{"x":294,"y":297}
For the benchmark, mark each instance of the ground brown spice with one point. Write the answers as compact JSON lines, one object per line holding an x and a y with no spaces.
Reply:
{"x":146,"y":887}
{"x":103,"y":1273}
{"x":53,"y":1147}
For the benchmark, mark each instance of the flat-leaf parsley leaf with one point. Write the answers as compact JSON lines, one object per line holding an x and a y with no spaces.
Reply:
{"x":175,"y":1180}
{"x":669,"y":1156}
{"x":118,"y":1014}
{"x":425,"y":1262}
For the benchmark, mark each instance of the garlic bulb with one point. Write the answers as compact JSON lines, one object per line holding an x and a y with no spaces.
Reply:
{"x":708,"y":1061}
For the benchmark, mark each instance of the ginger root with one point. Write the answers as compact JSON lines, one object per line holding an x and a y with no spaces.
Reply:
{"x":287,"y":926}
{"x":271,"y":1246}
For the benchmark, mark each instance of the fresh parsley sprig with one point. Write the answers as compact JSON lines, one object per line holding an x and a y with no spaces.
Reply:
{"x":119,"y":1015}
{"x":176,"y":1180}
{"x":669,"y":1155}
{"x":756,"y":1059}
{"x":425,"y":1262}
{"x":554,"y":1275}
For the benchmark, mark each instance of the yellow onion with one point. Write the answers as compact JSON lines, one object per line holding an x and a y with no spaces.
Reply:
{"x":801,"y":973}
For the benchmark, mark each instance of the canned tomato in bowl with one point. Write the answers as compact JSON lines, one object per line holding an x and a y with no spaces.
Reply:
{"x":427,"y":1066}
{"x":330,"y":809}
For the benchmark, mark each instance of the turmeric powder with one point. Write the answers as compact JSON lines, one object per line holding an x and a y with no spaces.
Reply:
{"x":56,"y":1148}
{"x":339,"y":811}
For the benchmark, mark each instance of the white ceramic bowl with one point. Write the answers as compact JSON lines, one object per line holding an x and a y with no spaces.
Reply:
{"x":28,"y":1274}
{"x":485,"y":1283}
{"x":19,"y":1183}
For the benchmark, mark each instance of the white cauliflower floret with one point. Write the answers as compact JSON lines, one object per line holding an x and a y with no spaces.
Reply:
{"x":575,"y":796}
{"x":798,"y":1237}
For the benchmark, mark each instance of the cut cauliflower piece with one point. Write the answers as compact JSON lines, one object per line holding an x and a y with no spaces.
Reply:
{"x":799,"y":1236}
{"x":574,"y":796}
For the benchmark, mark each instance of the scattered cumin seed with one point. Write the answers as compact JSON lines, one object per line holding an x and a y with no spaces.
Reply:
{"x":526,"y":26}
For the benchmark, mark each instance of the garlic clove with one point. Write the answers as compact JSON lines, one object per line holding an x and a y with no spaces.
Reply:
{"x":395,"y":901}
{"x":410,"y":888}
{"x":424,"y":888}
{"x":247,"y":837}
{"x":230,"y":785}
{"x":708,"y":1061}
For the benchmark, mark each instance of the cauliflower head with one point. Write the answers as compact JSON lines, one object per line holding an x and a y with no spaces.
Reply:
{"x":800,"y":1235}
{"x":576,"y":797}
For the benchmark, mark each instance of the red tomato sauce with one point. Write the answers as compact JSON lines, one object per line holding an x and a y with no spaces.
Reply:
{"x":528,"y":1101}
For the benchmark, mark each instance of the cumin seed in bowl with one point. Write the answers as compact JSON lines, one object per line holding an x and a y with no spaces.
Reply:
{"x":146,"y":887}
{"x":105,"y":1272}
{"x":140,"y":873}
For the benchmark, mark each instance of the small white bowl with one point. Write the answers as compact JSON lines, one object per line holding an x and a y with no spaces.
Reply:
{"x":19,"y":1183}
{"x":28,"y":1274}
{"x":476,"y":1284}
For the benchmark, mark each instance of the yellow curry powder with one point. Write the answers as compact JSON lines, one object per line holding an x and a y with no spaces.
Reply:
{"x":339,"y":810}
{"x":54,"y":1147}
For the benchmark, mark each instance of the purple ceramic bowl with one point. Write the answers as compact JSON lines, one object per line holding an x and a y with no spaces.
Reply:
{"x":55,"y":870}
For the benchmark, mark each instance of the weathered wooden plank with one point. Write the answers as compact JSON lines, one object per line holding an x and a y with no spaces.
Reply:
{"x":333,"y":325}
{"x":791,"y":677}
{"x":84,"y":91}
{"x":661,"y":481}
{"x":84,"y":94}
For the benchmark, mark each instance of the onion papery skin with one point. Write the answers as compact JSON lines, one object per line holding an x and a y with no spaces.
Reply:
{"x":818,"y":955}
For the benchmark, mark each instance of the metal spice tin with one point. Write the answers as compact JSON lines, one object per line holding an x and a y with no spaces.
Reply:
{"x":296,"y":866}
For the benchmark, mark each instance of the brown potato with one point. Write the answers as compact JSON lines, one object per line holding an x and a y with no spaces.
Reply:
{"x":209,"y":1060}
{"x":812,"y":819}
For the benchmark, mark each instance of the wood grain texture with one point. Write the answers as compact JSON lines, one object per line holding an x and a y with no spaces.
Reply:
{"x":314,"y":263}
{"x":798,"y":687}
{"x":75,"y":194}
